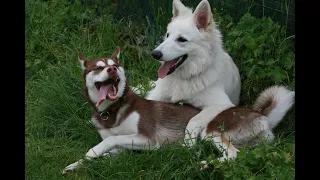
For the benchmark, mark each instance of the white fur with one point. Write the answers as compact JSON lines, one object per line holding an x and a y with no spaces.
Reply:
{"x":101,"y":64}
{"x":82,"y":64}
{"x":118,"y":55}
{"x":104,"y":133}
{"x":207,"y":77}
{"x":128,"y":126}
{"x":283,"y":98}
{"x":111,"y":62}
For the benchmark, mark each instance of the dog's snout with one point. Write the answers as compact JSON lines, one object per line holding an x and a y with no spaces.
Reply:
{"x":112,"y":70}
{"x":156,"y":54}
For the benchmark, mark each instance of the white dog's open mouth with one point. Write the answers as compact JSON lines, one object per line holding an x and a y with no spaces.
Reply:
{"x":169,"y":67}
{"x":108,"y":89}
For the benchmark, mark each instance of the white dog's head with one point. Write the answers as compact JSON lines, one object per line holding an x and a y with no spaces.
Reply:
{"x":189,"y":37}
{"x":104,"y":79}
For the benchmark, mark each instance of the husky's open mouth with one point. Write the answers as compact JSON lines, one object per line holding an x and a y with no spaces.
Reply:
{"x":169,"y":67}
{"x":108,"y":89}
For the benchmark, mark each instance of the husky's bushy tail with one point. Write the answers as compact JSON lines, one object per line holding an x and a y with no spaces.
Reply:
{"x":274,"y":102}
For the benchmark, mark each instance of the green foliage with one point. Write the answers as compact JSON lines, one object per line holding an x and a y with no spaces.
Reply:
{"x":262,"y":162}
{"x":263,"y":54}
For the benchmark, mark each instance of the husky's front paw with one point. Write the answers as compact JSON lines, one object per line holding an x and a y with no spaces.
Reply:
{"x":72,"y":167}
{"x":205,"y":165}
{"x":227,"y":158}
{"x":91,"y":154}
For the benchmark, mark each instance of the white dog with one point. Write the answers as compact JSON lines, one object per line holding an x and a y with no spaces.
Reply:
{"x":195,"y":68}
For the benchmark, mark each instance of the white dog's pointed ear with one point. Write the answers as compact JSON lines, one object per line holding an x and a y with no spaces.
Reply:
{"x":116,"y":53}
{"x":82,"y":60}
{"x":178,"y":8}
{"x":202,"y":16}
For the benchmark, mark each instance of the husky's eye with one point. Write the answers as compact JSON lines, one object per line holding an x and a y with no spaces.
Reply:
{"x":167,"y":34}
{"x":99,"y":68}
{"x":181,"y":39}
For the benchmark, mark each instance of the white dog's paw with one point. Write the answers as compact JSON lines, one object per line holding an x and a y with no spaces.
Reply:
{"x":72,"y":167}
{"x":189,"y":143}
{"x":190,"y":140}
{"x":191,"y":134}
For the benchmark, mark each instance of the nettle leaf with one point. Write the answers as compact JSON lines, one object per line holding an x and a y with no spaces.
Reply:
{"x":289,"y":60}
{"x":257,"y":52}
{"x":261,"y":38}
{"x":251,"y":71}
{"x":270,"y":62}
{"x":217,"y":164}
{"x":261,"y":74}
{"x":229,"y":25}
{"x":235,"y":33}
{"x":288,"y":64}
{"x":249,"y":61}
{"x":261,"y":62}
{"x":250,"y":43}
{"x":278,"y":74}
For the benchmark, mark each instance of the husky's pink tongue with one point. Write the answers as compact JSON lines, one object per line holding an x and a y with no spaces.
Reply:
{"x":164,"y":68}
{"x":106,"y":92}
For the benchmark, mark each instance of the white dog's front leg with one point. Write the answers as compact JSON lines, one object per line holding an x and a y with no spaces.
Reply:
{"x":200,"y":121}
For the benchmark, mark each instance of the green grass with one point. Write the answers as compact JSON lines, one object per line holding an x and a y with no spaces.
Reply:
{"x":57,"y":127}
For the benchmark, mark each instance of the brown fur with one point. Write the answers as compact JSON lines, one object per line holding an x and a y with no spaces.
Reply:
{"x":226,"y":141}
{"x":266,"y":107}
{"x":232,"y":118}
{"x":266,"y":102}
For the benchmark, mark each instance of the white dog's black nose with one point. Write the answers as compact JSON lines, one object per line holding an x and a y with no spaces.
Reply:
{"x":156,"y":54}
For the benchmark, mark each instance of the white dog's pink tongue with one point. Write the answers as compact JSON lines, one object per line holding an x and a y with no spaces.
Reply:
{"x":106,"y":92}
{"x":164,"y":69}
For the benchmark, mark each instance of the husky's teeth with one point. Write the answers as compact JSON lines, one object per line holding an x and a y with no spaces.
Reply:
{"x":114,"y":90}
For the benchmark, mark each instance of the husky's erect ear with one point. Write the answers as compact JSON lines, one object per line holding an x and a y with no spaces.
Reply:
{"x":202,"y":16}
{"x":178,"y":8}
{"x":82,"y":60}
{"x":116,"y":53}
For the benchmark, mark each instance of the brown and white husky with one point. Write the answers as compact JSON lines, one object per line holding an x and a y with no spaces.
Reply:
{"x":125,"y":120}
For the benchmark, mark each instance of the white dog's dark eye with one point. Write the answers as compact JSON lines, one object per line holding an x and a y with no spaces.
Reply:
{"x":181,"y":39}
{"x":167,"y":34}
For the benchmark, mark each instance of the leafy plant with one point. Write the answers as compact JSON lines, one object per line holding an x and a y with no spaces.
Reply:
{"x":263,"y":54}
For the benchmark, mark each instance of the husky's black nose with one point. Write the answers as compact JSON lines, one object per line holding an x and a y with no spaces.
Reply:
{"x":156,"y":54}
